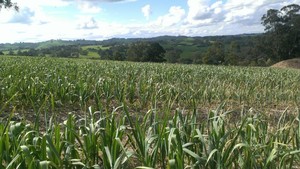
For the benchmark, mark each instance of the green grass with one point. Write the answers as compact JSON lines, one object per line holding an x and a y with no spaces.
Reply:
{"x":91,"y":54}
{"x":94,"y":47}
{"x":5,"y":52}
{"x":77,"y":113}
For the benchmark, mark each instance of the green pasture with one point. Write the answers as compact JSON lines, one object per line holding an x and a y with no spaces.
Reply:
{"x":92,"y":54}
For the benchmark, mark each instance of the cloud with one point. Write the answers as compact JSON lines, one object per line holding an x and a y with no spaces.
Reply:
{"x":93,"y":6}
{"x":146,"y":10}
{"x":202,"y":12}
{"x":245,"y":16}
{"x":35,"y":22}
{"x":175,"y":16}
{"x":31,"y":12}
{"x":249,"y":13}
{"x":35,"y":3}
{"x":87,"y":23}
{"x":199,"y":9}
{"x":114,"y":0}
{"x":100,"y":1}
{"x":89,"y":7}
{"x":25,"y":16}
{"x":242,"y":10}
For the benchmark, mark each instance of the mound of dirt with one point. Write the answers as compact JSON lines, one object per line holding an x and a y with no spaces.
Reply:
{"x":290,"y":63}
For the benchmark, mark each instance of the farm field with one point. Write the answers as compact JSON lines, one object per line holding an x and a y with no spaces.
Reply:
{"x":92,"y":54}
{"x":76,"y":113}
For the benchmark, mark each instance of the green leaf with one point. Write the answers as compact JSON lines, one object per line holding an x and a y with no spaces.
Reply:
{"x":196,"y":156}
{"x":44,"y":164}
{"x":142,"y":167}
{"x":10,"y":165}
{"x":108,"y":154}
{"x":210,"y":155}
{"x":272,"y":156}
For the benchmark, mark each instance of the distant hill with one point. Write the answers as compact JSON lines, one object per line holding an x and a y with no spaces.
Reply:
{"x":166,"y":41}
{"x":188,"y":45}
{"x":229,"y":50}
{"x":46,"y":44}
{"x":21,"y":45}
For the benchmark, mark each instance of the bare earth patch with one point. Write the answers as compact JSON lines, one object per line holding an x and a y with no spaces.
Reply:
{"x":290,"y":63}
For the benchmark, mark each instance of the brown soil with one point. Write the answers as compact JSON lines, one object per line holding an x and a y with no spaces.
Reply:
{"x":290,"y":63}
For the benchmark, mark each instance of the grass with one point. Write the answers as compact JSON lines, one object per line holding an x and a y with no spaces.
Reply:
{"x":92,"y":54}
{"x":77,"y":113}
{"x":94,"y":47}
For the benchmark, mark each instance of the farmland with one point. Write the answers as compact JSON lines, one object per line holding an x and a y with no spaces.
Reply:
{"x":75,"y":113}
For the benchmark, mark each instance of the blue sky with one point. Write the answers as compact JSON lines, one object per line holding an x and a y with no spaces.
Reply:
{"x":40,"y":20}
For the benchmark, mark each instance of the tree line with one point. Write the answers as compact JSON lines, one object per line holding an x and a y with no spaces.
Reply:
{"x":282,"y":38}
{"x":55,"y":51}
{"x":137,"y":51}
{"x":216,"y":53}
{"x":280,"y":41}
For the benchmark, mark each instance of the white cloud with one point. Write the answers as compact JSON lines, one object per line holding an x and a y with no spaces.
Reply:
{"x":109,"y":1}
{"x":146,"y":10}
{"x":36,"y":3}
{"x":88,"y":7}
{"x":24,"y":16}
{"x":217,"y":7}
{"x":202,"y":13}
{"x":198,"y":9}
{"x":242,"y":10}
{"x":87,"y":23}
{"x":228,"y":17}
{"x":200,"y":18}
{"x":175,"y":16}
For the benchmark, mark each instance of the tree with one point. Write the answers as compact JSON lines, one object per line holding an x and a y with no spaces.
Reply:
{"x":215,"y":54}
{"x":173,"y":55}
{"x":11,"y":52}
{"x":105,"y":54}
{"x":8,"y":4}
{"x":282,"y":35}
{"x":145,"y":52}
{"x":197,"y":57}
{"x":135,"y":52}
{"x":19,"y":53}
{"x":84,"y":52}
{"x":232,"y":56}
{"x":153,"y":52}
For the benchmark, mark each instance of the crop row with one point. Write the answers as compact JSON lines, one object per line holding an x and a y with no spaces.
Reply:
{"x":173,"y":133}
{"x":30,"y":81}
{"x":104,"y":140}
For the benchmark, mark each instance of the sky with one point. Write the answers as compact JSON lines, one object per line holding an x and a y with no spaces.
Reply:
{"x":41,"y":20}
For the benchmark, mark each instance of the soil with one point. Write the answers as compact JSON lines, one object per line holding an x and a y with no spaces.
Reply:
{"x":290,"y":63}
